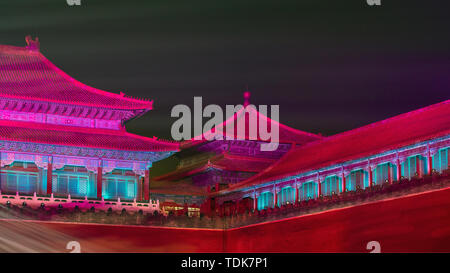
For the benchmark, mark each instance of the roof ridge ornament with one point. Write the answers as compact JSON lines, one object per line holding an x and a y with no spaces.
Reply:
{"x":32,"y":44}
{"x":246,"y":97}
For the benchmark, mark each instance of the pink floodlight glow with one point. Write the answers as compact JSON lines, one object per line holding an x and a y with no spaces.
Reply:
{"x":26,"y":74}
{"x":80,"y":137}
{"x":286,"y":133}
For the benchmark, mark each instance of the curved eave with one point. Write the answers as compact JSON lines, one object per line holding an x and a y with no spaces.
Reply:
{"x":387,"y":135}
{"x":133,"y":103}
{"x":38,"y":133}
{"x":294,"y":136}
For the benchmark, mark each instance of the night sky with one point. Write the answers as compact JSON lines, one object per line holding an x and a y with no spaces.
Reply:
{"x":330,"y":65}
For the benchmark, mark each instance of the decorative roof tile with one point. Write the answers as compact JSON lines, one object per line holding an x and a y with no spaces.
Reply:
{"x":286,"y":133}
{"x":393,"y":133}
{"x":81,"y":137}
{"x":26,"y":74}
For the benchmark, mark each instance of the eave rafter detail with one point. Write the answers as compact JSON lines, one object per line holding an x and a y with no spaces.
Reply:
{"x":65,"y":109}
{"x":58,"y":162}
{"x":48,"y":149}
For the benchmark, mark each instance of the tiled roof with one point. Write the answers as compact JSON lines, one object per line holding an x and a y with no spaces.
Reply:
{"x":242,"y":163}
{"x":222,"y":161}
{"x":80,"y":137}
{"x":286,"y":133}
{"x":403,"y":130}
{"x":26,"y":74}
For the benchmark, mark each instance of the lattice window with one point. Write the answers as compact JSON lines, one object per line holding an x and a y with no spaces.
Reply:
{"x":308,"y":191}
{"x":441,"y":160}
{"x":414,"y":165}
{"x":16,"y":181}
{"x":265,"y":200}
{"x":330,"y":185}
{"x":357,"y":179}
{"x":382,"y":173}
{"x":119,"y":186}
{"x":286,"y":196}
{"x":74,"y":184}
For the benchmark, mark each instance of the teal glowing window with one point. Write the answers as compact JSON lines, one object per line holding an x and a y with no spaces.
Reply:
{"x":286,"y":196}
{"x":414,"y":165}
{"x":308,"y":191}
{"x":330,"y":185}
{"x":119,"y":187}
{"x":265,"y":200}
{"x":441,"y":160}
{"x":358,"y":179}
{"x":17,"y":181}
{"x":382,"y":172}
{"x":74,"y":184}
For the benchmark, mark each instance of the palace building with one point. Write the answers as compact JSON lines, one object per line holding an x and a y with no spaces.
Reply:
{"x":205,"y":166}
{"x":62,"y":141}
{"x":62,"y":138}
{"x":230,"y":176}
{"x":405,"y":147}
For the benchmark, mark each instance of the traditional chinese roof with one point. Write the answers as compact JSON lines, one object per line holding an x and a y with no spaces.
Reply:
{"x":178,"y":188}
{"x":400,"y":131}
{"x":26,"y":74}
{"x":223,"y":161}
{"x":240,"y":163}
{"x":286,"y":133}
{"x":81,"y":137}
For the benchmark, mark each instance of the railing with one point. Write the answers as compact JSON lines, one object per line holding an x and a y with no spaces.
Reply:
{"x":44,"y":202}
{"x":243,"y":217}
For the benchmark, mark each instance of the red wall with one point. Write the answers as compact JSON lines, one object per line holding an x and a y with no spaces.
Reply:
{"x":110,"y":238}
{"x":413,"y":224}
{"x":418,"y":223}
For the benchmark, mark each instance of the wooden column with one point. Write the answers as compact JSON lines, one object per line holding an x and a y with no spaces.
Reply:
{"x":297,"y":192}
{"x":140,"y":188}
{"x":399,"y":170}
{"x":343,"y":182}
{"x":99,"y":182}
{"x":430,"y":162}
{"x":49,"y":178}
{"x":255,"y":203}
{"x":418,"y":170}
{"x":370,"y":177}
{"x":389,"y":173}
{"x":275,"y":197}
{"x":319,"y":188}
{"x":147,"y":185}
{"x":139,"y":194}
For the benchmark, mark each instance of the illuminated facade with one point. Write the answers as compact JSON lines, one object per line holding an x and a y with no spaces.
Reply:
{"x":234,"y":176}
{"x":64,"y":142}
{"x":63,"y":139}
{"x":203,"y":167}
{"x":407,"y":146}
